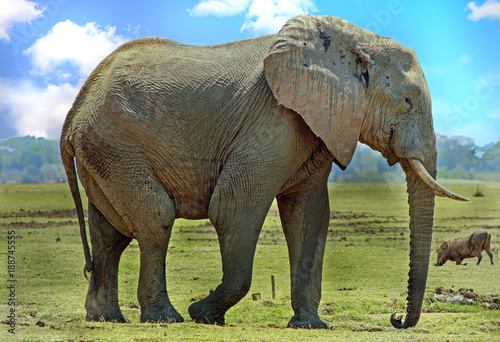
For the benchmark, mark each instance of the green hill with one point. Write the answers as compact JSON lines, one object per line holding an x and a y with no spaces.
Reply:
{"x":30,"y":160}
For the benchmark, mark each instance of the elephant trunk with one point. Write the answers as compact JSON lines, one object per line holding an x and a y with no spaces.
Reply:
{"x":421,"y":201}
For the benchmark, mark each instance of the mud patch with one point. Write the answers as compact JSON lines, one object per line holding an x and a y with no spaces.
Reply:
{"x":347,"y":289}
{"x":490,"y":227}
{"x":335,"y":215}
{"x":197,"y":231}
{"x":472,"y":218}
{"x":71,"y":213}
{"x":37,"y":225}
{"x":465,"y":296}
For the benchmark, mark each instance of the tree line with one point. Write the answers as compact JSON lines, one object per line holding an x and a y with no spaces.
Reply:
{"x":37,"y":160}
{"x":458,"y":158}
{"x":30,"y":160}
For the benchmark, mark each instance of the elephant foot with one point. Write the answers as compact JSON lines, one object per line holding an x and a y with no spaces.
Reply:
{"x":206,"y":313}
{"x":166,"y":316}
{"x":307,"y":321}
{"x":116,"y":317}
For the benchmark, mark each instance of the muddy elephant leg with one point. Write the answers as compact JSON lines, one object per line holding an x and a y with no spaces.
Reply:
{"x":238,"y":221}
{"x":107,"y":246}
{"x":305,"y":216}
{"x":153,"y":219}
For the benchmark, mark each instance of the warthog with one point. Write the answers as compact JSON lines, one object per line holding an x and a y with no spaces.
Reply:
{"x":465,"y":247}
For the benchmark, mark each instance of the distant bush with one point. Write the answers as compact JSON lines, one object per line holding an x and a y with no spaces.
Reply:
{"x":479,"y":191}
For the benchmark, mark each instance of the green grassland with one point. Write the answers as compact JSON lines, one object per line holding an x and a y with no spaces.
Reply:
{"x":365,"y":272}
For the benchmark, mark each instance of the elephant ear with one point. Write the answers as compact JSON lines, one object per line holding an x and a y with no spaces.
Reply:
{"x":317,"y":67}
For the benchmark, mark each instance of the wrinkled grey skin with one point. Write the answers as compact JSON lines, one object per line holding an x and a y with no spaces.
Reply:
{"x":161,"y":131}
{"x":465,"y":247}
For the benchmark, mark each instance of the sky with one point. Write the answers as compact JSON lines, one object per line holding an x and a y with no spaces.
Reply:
{"x":49,"y":47}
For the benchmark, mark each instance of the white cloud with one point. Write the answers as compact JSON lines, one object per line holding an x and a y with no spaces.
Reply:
{"x":268,"y":16}
{"x":16,"y":11}
{"x":81,"y":46}
{"x":67,"y":52}
{"x":37,"y":111}
{"x":490,"y":10}
{"x":133,"y":30}
{"x":261,"y":16}
{"x":219,"y":8}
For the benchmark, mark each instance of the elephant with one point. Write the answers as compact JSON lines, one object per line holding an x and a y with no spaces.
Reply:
{"x":162,"y":130}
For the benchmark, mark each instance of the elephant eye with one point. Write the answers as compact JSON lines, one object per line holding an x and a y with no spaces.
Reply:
{"x":409,"y":101}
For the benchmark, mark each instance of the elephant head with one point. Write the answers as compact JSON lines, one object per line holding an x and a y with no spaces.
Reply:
{"x":352,"y":85}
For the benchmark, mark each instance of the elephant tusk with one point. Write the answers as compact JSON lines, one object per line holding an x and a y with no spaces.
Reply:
{"x":427,"y":178}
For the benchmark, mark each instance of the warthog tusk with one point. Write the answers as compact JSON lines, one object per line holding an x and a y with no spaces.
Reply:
{"x":427,"y":178}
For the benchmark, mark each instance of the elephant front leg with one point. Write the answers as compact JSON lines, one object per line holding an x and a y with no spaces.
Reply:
{"x":305,"y":218}
{"x":237,"y":241}
{"x":238,"y":220}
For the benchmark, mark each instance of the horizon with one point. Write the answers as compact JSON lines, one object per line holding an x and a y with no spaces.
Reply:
{"x":438,"y":136}
{"x":49,"y":47}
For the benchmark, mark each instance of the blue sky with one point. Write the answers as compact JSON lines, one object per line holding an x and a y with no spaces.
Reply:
{"x":49,"y":47}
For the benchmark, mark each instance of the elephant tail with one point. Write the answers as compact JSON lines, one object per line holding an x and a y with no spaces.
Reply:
{"x":69,"y":166}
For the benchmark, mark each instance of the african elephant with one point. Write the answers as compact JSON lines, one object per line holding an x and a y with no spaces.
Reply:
{"x":162,"y":130}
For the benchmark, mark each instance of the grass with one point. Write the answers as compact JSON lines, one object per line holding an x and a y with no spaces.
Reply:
{"x":365,"y":272}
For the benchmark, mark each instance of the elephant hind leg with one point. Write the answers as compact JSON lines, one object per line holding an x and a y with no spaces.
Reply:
{"x":153,"y":218}
{"x":108,"y":245}
{"x":143,"y":209}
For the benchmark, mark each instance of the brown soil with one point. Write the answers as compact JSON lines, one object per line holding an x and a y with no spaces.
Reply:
{"x":36,"y":225}
{"x":489,"y":301}
{"x":70,"y":215}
